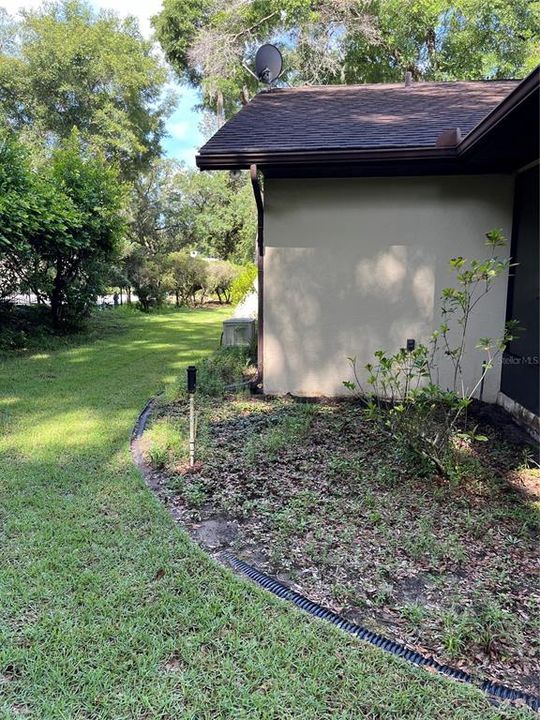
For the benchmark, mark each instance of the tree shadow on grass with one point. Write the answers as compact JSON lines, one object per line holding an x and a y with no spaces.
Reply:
{"x":76,"y":401}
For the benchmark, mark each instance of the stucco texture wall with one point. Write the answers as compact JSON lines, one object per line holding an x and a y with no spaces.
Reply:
{"x":354,"y":265}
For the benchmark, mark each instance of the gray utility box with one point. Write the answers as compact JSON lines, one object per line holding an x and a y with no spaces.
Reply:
{"x":238,"y":331}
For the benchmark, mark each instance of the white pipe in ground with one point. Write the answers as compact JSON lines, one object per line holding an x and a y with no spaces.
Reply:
{"x":192,"y":429}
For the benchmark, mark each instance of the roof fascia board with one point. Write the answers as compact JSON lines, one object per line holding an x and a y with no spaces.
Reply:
{"x":521,"y":93}
{"x":233,"y":161}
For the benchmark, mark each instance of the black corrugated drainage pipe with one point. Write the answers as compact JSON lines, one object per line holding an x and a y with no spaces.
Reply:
{"x":495,"y":690}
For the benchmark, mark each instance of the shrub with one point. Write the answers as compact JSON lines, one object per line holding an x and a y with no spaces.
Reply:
{"x":151,"y":283}
{"x":61,"y":225}
{"x":220,"y":275}
{"x":404,"y":397}
{"x":187,"y":276}
{"x":222,"y":370}
{"x":243,"y":283}
{"x":23,"y":325}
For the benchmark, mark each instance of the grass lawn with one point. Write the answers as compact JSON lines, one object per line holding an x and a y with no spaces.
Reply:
{"x":107,"y":609}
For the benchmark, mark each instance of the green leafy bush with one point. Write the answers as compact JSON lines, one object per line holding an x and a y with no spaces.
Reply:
{"x":220,"y":276}
{"x":60,"y":225}
{"x":148,"y":278}
{"x":242,"y":285}
{"x":24,"y":325}
{"x":187,"y":274}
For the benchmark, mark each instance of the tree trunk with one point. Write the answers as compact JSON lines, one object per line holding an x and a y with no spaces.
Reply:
{"x":56,"y":305}
{"x":56,"y":296}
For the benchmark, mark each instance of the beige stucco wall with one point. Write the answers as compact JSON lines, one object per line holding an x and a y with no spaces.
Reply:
{"x":353,"y":265}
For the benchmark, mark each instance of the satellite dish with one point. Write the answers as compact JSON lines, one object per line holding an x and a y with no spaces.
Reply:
{"x":268,"y":63}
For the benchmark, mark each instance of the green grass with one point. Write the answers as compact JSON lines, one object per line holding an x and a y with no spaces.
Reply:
{"x":107,"y":609}
{"x":289,"y":428}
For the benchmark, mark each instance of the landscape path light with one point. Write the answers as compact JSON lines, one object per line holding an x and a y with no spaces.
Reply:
{"x":191,"y":387}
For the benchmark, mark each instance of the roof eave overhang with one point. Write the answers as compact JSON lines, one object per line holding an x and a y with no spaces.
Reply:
{"x":306,"y":158}
{"x":521,"y":94}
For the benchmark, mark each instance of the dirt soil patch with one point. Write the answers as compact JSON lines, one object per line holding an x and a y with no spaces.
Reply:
{"x":314,"y":495}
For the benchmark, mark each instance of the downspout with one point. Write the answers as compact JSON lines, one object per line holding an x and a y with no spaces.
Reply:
{"x":257,"y":192}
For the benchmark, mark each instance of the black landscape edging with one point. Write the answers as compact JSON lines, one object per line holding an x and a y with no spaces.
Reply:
{"x":495,"y":690}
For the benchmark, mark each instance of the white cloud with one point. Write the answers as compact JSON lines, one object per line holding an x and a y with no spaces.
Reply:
{"x":13,"y":6}
{"x":142,"y":11}
{"x":178,"y":130}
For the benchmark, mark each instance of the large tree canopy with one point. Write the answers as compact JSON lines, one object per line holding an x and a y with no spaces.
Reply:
{"x":156,"y":208}
{"x":210,"y":42}
{"x":173,"y":207}
{"x":66,"y":65}
{"x":218,"y":216}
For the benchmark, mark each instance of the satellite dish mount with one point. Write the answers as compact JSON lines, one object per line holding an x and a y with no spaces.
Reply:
{"x":268,"y":64}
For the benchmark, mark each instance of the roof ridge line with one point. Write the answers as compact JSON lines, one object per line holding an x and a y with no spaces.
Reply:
{"x":416,"y":84}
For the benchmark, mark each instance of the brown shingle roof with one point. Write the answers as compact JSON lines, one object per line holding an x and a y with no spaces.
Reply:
{"x":356,"y":117}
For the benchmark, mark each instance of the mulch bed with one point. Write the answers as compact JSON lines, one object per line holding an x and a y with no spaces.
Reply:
{"x":315,"y":496}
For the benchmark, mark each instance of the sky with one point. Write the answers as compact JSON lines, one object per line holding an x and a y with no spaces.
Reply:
{"x":183,"y":125}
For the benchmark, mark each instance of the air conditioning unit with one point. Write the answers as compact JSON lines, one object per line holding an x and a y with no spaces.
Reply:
{"x":238,"y":331}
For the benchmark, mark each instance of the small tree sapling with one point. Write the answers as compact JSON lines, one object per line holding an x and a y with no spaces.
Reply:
{"x":404,"y":394}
